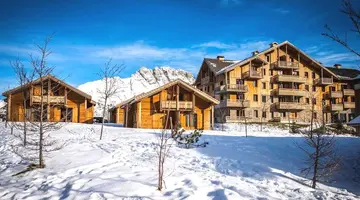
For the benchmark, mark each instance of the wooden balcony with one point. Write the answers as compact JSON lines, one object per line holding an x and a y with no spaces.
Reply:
{"x":52,"y":99}
{"x":289,"y":78}
{"x":252,"y":75}
{"x":323,"y":81}
{"x":205,"y":80}
{"x":334,"y":94}
{"x":291,"y":106}
{"x":285,"y":65}
{"x":348,"y":105}
{"x":232,"y":88}
{"x":233,"y":103}
{"x":232,"y":119}
{"x":349,"y":92}
{"x":183,"y":105}
{"x":289,"y":92}
{"x":335,"y":107}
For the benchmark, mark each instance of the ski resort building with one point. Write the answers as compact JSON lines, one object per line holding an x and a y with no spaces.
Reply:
{"x":61,"y":102}
{"x":176,"y":100}
{"x":278,"y":84}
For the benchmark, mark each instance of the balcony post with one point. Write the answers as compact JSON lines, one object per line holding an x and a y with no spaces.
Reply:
{"x":212,"y":117}
{"x":85,"y":107}
{"x":65,"y":96}
{"x":193,"y":102}
{"x":177,"y":97}
{"x":138,"y":115}
{"x":9,"y":108}
{"x":31,"y":94}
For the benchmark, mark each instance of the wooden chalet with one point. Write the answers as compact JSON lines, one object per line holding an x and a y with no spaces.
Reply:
{"x":185,"y":103}
{"x":62,"y":102}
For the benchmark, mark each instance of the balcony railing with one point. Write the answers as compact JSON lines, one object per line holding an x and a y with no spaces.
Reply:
{"x":291,"y":106}
{"x":334,"y":94}
{"x":252,"y":75}
{"x":205,"y":80}
{"x":349,"y":92}
{"x":290,"y":92}
{"x":323,"y":81}
{"x":335,"y":107}
{"x":348,"y":105}
{"x":233,"y":103}
{"x":285,"y":65}
{"x":52,"y":99}
{"x":233,"y":88}
{"x":289,"y":78}
{"x":183,"y":105}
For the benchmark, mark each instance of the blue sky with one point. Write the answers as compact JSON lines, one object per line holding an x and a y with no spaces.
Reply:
{"x":155,"y":33}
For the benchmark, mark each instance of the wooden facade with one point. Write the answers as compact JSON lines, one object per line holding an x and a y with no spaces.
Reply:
{"x":182,"y":102}
{"x":277,"y":84}
{"x":62,"y":102}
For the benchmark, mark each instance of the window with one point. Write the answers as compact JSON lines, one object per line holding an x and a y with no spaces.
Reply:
{"x":221,"y":82}
{"x":314,"y":115}
{"x":255,"y":97}
{"x":295,"y":114}
{"x":307,"y":100}
{"x":240,"y":113}
{"x":256,"y":113}
{"x":268,"y":58}
{"x":333,"y":89}
{"x":271,"y":85}
{"x":188,"y":120}
{"x":307,"y":87}
{"x":323,"y":88}
{"x":263,"y":85}
{"x":264,"y":72}
{"x":314,"y":101}
{"x":313,"y":88}
{"x":306,"y":75}
{"x":352,"y":99}
{"x":255,"y":83}
{"x":272,"y":99}
{"x":271,"y":72}
{"x":313,"y":75}
{"x":221,"y":97}
{"x":264,"y":114}
{"x":263,"y":99}
{"x":284,"y":114}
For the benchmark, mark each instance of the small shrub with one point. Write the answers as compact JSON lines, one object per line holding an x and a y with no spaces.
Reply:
{"x":189,"y":140}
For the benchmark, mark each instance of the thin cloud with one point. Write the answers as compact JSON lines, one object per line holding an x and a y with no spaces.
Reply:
{"x":282,"y":11}
{"x":215,"y":44}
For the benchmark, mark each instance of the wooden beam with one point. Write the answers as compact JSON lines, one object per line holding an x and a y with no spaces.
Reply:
{"x":117,"y":115}
{"x":78,"y":112}
{"x":9,"y":107}
{"x":126,"y":115}
{"x":160,"y":100}
{"x":31,"y":95}
{"x":65,"y":95}
{"x":138,"y":115}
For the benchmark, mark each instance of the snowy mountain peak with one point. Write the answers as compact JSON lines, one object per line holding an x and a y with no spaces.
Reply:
{"x":142,"y":80}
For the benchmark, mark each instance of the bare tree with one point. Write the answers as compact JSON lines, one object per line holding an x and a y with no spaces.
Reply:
{"x":24,"y":78}
{"x":319,"y":148}
{"x":111,"y":87}
{"x":354,"y":16}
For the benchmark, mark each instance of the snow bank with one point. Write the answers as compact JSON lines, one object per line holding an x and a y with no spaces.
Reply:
{"x":123,"y":166}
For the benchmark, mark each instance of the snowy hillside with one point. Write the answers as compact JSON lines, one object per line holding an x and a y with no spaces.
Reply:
{"x":141,"y":81}
{"x":123,"y":165}
{"x":2,"y":107}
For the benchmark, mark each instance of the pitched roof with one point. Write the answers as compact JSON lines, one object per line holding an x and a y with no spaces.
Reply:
{"x":216,"y":65}
{"x":354,"y":122}
{"x":16,"y":89}
{"x":198,"y":92}
{"x":345,"y":73}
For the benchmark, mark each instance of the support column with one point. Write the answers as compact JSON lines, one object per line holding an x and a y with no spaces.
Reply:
{"x":126,"y":115}
{"x":9,"y":108}
{"x":117,"y":118}
{"x":66,"y":113}
{"x":48,"y":100}
{"x":177,"y":97}
{"x":212,"y":117}
{"x":138,"y":112}
{"x":85,"y":107}
{"x":193,"y":102}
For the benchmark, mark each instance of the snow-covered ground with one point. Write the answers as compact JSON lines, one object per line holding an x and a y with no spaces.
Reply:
{"x":123,"y":165}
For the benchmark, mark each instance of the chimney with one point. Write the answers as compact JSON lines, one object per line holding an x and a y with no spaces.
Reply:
{"x":337,"y":66}
{"x":255,"y":52}
{"x":220,"y":58}
{"x":273,"y":44}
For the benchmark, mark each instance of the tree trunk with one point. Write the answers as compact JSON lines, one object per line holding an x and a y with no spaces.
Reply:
{"x":25,"y":118}
{"x":41,"y":161}
{"x":103,"y":118}
{"x":316,"y":161}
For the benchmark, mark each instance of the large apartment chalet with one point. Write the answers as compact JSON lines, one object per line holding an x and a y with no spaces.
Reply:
{"x":61,"y":101}
{"x":278,"y":84}
{"x":184,"y":103}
